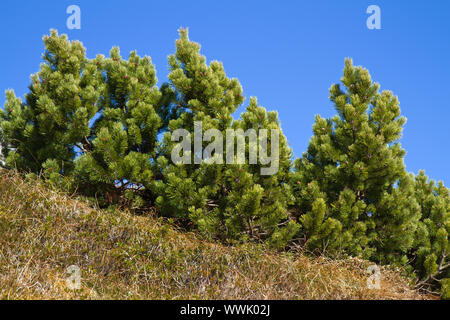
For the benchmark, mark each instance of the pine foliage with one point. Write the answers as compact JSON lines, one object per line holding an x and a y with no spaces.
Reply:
{"x":345,"y":184}
{"x":225,"y":201}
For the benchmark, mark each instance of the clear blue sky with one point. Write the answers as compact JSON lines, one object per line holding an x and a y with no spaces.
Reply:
{"x":286,"y":53}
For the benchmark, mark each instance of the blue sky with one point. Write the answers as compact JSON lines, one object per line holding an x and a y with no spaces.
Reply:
{"x":286,"y":53}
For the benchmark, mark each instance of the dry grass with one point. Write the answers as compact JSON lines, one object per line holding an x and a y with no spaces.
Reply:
{"x":122,"y":256}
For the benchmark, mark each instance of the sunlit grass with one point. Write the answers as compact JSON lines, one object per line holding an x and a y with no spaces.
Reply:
{"x":122,"y":256}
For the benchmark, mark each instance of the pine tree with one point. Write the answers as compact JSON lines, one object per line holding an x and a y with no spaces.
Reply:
{"x":345,"y":183}
{"x":41,"y":133}
{"x":431,"y":250}
{"x":119,"y":157}
{"x":226,"y":201}
{"x":396,"y":222}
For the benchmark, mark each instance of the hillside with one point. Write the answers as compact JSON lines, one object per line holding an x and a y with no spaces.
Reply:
{"x":122,"y":256}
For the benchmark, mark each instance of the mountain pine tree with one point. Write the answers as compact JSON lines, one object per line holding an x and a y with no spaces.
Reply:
{"x":41,"y":133}
{"x":99,"y":117}
{"x":345,"y":184}
{"x":430,"y":255}
{"x":227,"y":201}
{"x":119,"y":156}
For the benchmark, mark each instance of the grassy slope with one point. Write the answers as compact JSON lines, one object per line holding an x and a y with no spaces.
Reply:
{"x":122,"y":256}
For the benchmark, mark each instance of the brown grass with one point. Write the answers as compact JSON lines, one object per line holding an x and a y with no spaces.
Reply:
{"x":121,"y":256}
